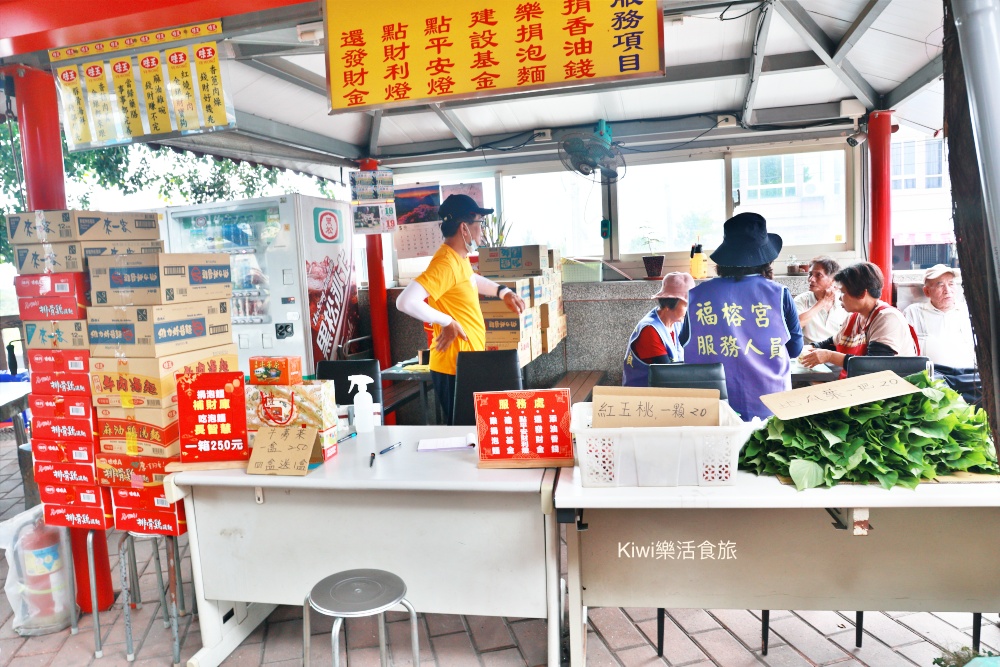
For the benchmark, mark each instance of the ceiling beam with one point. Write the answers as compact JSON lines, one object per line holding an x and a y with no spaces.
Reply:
{"x":757,"y":62}
{"x":865,"y":19}
{"x":803,"y":24}
{"x":263,"y":128}
{"x":455,"y":126}
{"x":286,"y":71}
{"x":923,"y":77}
{"x":694,"y":9}
{"x":806,"y":113}
{"x":373,"y":135}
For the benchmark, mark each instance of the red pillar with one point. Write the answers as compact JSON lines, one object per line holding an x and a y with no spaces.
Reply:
{"x":880,"y":251}
{"x":44,"y":179}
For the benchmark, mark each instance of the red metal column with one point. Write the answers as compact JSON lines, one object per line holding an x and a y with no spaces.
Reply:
{"x":880,"y":251}
{"x":41,"y":148}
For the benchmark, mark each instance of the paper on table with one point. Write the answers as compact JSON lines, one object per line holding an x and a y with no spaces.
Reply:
{"x":447,"y":444}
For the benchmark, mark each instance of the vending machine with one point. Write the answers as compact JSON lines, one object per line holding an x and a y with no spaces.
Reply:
{"x":294,"y":290}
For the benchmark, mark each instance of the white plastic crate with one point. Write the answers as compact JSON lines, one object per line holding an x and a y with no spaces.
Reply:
{"x":574,"y":271}
{"x":659,"y":456}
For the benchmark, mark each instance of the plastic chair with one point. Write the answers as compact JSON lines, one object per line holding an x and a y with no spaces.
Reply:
{"x":901,"y":366}
{"x":354,"y":594}
{"x":689,"y":376}
{"x":496,"y":370}
{"x":339,"y":371}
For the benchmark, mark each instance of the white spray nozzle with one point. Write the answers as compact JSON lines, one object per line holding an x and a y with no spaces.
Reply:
{"x":359,"y":382}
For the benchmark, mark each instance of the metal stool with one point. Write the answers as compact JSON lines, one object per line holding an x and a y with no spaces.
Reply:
{"x":130,"y":573}
{"x":354,"y":594}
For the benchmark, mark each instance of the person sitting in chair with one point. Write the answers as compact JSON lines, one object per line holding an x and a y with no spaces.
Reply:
{"x":656,"y":338}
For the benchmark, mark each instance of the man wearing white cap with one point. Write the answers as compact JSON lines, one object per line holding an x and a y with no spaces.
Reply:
{"x":944,"y":330}
{"x":656,"y":338}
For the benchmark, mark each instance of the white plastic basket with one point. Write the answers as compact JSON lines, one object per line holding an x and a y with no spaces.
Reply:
{"x":659,"y":456}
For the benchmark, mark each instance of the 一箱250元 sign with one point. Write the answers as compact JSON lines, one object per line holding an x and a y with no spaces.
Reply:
{"x":399,"y":53}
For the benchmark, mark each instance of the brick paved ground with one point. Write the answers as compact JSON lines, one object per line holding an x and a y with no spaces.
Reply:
{"x":726,"y":638}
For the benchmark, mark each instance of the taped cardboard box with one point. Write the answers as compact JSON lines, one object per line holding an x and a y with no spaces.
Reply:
{"x":55,"y":226}
{"x":56,"y":335}
{"x":132,"y":471}
{"x":68,"y":494}
{"x":48,"y":258}
{"x":60,"y":384}
{"x":170,"y":522}
{"x":62,"y":451}
{"x":60,"y":406}
{"x":53,"y":284}
{"x":156,"y":279}
{"x":65,"y":473}
{"x":276,"y":370}
{"x":522,"y":345}
{"x":525,"y":260}
{"x":549,"y":313}
{"x":52,"y":308}
{"x":93,"y":249}
{"x":156,"y":331}
{"x":51,"y":361}
{"x":91,"y":517}
{"x":509,"y":321}
{"x":150,"y":382}
{"x":138,"y":431}
{"x":150,"y":498}
{"x":63,"y":428}
{"x":506,"y":336}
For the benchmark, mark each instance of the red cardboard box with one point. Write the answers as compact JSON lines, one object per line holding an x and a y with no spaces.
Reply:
{"x":133,"y":471}
{"x":213,"y":417}
{"x":171,"y":522}
{"x":66,"y":494}
{"x":65,"y":473}
{"x":53,"y":284}
{"x":62,"y":451}
{"x":150,"y":498}
{"x":276,"y":370}
{"x":154,"y":426}
{"x":60,"y":384}
{"x":79,"y":516}
{"x":52,"y":308}
{"x":60,"y":406}
{"x":59,"y":361}
{"x":63,"y":428}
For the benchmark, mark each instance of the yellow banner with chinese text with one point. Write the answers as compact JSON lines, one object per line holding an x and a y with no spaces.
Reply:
{"x":398,"y":53}
{"x":74,"y":111}
{"x":99,"y":101}
{"x":128,"y":103}
{"x":213,"y":99}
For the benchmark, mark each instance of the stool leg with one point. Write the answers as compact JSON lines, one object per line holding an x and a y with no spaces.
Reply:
{"x":414,"y":632}
{"x":335,"y":640}
{"x":977,"y":629}
{"x":181,"y":611}
{"x":126,"y":595}
{"x":74,"y":620}
{"x":660,"y":621}
{"x":859,"y":628}
{"x":133,"y":564}
{"x":159,"y":582}
{"x":171,"y":571}
{"x":305,"y":632}
{"x":765,"y":618}
{"x":92,"y":573}
{"x":383,"y":652}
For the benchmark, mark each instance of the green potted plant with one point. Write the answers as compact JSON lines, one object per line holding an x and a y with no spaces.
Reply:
{"x":652,"y":262}
{"x":495,"y":231}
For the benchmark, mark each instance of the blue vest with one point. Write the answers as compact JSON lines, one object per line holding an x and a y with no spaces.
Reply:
{"x":636,"y":371}
{"x":741,"y":324}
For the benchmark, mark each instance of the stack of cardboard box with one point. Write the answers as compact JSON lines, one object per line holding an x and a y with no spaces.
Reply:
{"x":526,"y":270}
{"x":51,"y":249}
{"x":154,"y":315}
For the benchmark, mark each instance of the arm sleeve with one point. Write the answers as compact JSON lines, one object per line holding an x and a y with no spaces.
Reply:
{"x":485,"y":286}
{"x":877,"y":349}
{"x":411,"y":302}
{"x":827,"y":344}
{"x":794,"y":344}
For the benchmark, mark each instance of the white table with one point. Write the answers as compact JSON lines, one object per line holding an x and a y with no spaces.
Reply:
{"x":465,"y":540}
{"x":930,"y":549}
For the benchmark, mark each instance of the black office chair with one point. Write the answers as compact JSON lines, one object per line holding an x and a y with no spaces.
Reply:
{"x":901,"y":366}
{"x":339,"y":371}
{"x":496,"y":370}
{"x":689,"y":376}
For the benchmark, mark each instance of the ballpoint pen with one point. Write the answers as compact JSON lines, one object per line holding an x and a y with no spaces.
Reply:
{"x":347,"y":437}
{"x":371,"y":460}
{"x":391,"y":447}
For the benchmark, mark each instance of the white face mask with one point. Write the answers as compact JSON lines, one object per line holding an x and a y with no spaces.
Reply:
{"x":470,"y":244}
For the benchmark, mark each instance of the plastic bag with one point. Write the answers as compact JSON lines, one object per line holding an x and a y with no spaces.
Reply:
{"x":38,"y":585}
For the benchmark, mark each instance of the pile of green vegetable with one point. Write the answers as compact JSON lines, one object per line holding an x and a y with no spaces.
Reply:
{"x":896,"y":441}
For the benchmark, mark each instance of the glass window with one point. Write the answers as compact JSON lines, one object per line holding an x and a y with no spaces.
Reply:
{"x":903,"y":165}
{"x":560,"y":209}
{"x":800,"y":194}
{"x":672,"y":205}
{"x":934,"y":163}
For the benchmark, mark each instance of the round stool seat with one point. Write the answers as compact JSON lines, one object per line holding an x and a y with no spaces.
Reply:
{"x":354,"y":593}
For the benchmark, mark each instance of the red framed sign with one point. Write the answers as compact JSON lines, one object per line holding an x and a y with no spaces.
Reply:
{"x":212,"y":413}
{"x":524,"y":429}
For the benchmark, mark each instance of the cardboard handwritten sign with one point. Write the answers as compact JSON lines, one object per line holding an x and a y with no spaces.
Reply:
{"x":655,"y":406}
{"x":524,"y":429}
{"x":836,"y":395}
{"x":284,"y":450}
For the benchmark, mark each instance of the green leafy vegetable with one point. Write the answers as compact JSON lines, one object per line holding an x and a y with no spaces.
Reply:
{"x":897,"y":441}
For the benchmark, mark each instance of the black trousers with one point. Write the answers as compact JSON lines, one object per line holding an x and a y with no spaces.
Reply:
{"x":444,"y":392}
{"x":965,"y":381}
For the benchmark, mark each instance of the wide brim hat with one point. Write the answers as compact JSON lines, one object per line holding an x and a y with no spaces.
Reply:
{"x":937,"y":271}
{"x":746,"y":242}
{"x":675,"y":285}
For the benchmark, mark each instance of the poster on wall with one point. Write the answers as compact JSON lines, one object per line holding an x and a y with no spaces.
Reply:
{"x":474,"y":190}
{"x":148,"y":86}
{"x":419,"y":230}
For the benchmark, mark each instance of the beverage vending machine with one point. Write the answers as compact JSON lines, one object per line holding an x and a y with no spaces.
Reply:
{"x":294,"y":286}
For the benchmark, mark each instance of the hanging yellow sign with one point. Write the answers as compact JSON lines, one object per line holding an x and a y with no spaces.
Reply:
{"x":99,"y":101}
{"x":213,"y":99}
{"x":400,"y":53}
{"x":181,"y":89}
{"x":128,"y":104}
{"x":154,"y":92}
{"x":107,"y":47}
{"x":74,"y":112}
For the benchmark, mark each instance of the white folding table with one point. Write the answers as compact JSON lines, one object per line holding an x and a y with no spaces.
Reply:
{"x":465,"y":540}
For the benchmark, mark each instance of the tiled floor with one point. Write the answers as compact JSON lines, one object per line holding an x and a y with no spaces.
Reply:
{"x":727,"y":638}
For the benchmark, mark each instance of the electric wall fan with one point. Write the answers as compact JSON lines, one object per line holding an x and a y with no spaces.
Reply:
{"x":593,"y":156}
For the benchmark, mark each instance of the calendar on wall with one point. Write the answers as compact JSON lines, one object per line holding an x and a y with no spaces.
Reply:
{"x":524,"y":429}
{"x":418,"y":239}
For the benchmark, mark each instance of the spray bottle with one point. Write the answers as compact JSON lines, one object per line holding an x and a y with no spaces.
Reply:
{"x":698,"y":261}
{"x":364,"y":406}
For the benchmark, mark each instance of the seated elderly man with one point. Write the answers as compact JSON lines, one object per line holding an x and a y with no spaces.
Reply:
{"x":944,"y":330}
{"x":821,"y":313}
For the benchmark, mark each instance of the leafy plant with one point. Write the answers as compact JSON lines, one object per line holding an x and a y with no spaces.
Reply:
{"x":648,"y":237}
{"x":896,"y":441}
{"x":495,"y":231}
{"x":960,"y":658}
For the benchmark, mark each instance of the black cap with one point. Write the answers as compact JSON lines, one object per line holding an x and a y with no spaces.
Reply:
{"x":459,"y":207}
{"x":745,"y":242}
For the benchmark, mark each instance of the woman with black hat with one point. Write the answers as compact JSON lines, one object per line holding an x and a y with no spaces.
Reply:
{"x":744,"y":320}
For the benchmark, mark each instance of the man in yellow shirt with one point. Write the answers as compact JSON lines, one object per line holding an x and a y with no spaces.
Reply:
{"x":452,"y":291}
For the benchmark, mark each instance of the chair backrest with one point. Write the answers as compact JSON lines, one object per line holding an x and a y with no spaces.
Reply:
{"x":496,"y":370}
{"x":339,"y":371}
{"x":901,"y":366}
{"x":356,"y":348}
{"x":689,"y":376}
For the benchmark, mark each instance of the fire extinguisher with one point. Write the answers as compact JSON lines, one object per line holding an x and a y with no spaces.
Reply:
{"x":42,"y":566}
